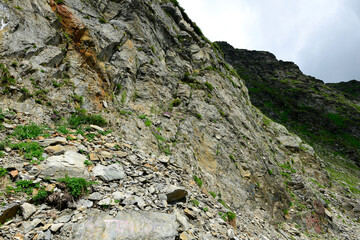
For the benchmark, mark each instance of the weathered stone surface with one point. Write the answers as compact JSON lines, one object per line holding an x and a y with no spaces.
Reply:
{"x":71,"y":164}
{"x":121,"y":154}
{"x":109,"y":173}
{"x":131,"y":225}
{"x":27,"y":210}
{"x":190,"y":214}
{"x":52,"y":141}
{"x":106,"y":202}
{"x":119,"y":195}
{"x":289,"y":142}
{"x":63,"y":219}
{"x":182,"y":220}
{"x":328,"y":214}
{"x":96,"y":196}
{"x":109,"y":145}
{"x":131,"y":200}
{"x":93,"y":157}
{"x":246,"y":174}
{"x":307,"y":148}
{"x":85,"y":203}
{"x":106,"y":154}
{"x":97,"y":128}
{"x":164,"y":159}
{"x":50,"y":187}
{"x":55,"y":150}
{"x":17,"y":236}
{"x":126,"y":59}
{"x":51,"y":56}
{"x":185,"y":236}
{"x":29,"y":225}
{"x":55,"y":227}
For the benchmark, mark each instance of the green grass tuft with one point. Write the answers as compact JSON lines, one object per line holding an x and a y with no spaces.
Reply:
{"x":81,"y":117}
{"x":28,"y":131}
{"x":198,"y":181}
{"x":3,"y":172}
{"x":29,"y":150}
{"x":76,"y":186}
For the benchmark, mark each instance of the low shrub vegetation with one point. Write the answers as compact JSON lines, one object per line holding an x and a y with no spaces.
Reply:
{"x":29,"y":150}
{"x":2,"y":116}
{"x":30,"y":131}
{"x":81,"y":117}
{"x":198,"y":181}
{"x":76,"y":186}
{"x":3,"y":172}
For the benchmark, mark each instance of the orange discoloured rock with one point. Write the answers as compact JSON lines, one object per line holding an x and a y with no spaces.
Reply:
{"x":83,"y":44}
{"x":129,"y":44}
{"x":19,"y":236}
{"x":93,"y":157}
{"x":14,"y":173}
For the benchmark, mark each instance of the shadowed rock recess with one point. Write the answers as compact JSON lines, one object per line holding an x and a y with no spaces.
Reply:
{"x":120,"y":120}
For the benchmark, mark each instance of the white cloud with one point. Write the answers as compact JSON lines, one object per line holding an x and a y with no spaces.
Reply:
{"x":321,"y":36}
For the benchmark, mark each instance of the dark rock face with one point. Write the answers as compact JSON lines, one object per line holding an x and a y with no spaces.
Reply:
{"x":314,"y":110}
{"x":9,"y":212}
{"x":351,"y":89}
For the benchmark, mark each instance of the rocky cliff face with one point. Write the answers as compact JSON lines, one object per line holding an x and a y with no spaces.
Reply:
{"x":350,"y":88}
{"x":188,"y":157}
{"x":306,"y":105}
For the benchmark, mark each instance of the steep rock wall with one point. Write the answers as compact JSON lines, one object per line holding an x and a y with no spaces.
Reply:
{"x":164,"y":87}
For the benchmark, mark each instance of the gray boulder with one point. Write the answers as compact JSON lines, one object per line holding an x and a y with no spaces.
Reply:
{"x":27,"y":210}
{"x":71,"y":164}
{"x":109,"y":173}
{"x":132,"y":225}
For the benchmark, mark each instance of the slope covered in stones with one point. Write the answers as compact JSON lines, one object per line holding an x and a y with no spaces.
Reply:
{"x":120,"y":120}
{"x":324,"y":114}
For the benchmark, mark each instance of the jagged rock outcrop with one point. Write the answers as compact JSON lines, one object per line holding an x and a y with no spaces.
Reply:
{"x":179,"y":115}
{"x":308,"y":106}
{"x":351,"y":88}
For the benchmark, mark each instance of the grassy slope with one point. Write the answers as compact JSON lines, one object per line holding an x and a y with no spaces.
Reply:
{"x":320,"y":114}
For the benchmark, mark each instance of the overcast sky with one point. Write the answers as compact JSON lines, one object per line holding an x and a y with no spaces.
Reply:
{"x":321,"y":36}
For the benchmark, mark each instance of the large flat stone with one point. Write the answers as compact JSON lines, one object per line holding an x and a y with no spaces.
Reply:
{"x":71,"y":164}
{"x":131,"y":225}
{"x":52,"y":141}
{"x":109,"y":173}
{"x":51,"y":56}
{"x":289,"y":142}
{"x":27,"y":210}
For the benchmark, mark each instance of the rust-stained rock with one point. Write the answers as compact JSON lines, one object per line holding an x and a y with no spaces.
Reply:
{"x":55,"y":150}
{"x":14,"y":173}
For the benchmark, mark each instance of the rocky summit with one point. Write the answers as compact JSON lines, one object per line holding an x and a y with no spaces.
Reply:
{"x":350,"y":88}
{"x":326,"y":115}
{"x":121,"y":120}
